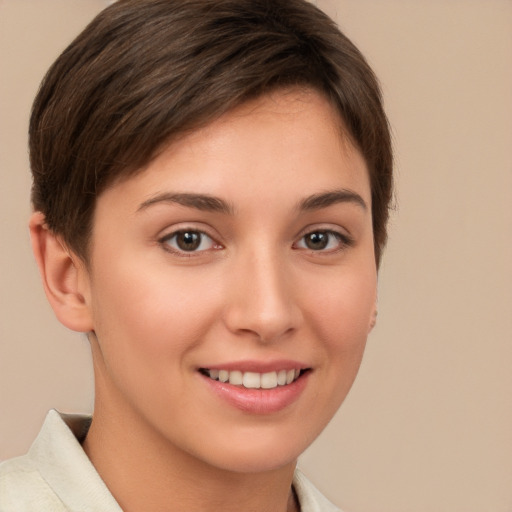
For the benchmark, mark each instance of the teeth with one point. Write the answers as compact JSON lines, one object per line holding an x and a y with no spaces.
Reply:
{"x":236,"y":378}
{"x":269,"y":380}
{"x":254,"y":380}
{"x":251,"y":380}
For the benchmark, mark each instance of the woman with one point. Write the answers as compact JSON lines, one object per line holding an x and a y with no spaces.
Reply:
{"x":211,"y":191}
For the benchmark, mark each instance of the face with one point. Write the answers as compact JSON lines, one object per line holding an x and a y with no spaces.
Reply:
{"x":232,"y":285}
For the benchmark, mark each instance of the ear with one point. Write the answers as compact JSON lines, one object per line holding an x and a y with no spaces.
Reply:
{"x":63,"y":274}
{"x":373,"y":318}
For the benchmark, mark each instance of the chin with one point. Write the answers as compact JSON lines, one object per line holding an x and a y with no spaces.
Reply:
{"x":247,"y":462}
{"x":258,"y":453}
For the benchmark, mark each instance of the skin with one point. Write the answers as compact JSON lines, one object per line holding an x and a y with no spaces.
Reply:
{"x":254,"y":290}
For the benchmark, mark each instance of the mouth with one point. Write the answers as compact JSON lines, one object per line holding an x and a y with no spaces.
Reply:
{"x":255,"y":380}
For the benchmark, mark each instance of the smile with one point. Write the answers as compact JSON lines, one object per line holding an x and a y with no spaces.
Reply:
{"x":254,"y":380}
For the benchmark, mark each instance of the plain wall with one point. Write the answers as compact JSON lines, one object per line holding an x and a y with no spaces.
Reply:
{"x":428,"y":424}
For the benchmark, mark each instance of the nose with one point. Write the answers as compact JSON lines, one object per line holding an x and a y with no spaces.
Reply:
{"x":262,"y":302}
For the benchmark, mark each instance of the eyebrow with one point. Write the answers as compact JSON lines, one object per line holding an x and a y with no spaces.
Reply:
{"x":209,"y":203}
{"x":202,"y":202}
{"x":325,"y":199}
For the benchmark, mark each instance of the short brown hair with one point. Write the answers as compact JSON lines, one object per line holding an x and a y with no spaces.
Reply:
{"x":145,"y":71}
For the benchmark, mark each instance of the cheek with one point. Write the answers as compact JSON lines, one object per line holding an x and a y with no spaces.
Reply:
{"x":340,"y":319}
{"x":147,"y":312}
{"x":344,"y":311}
{"x":343,"y":316}
{"x":147,"y":324}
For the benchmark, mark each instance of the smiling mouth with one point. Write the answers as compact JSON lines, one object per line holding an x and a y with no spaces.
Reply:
{"x":254,"y":380}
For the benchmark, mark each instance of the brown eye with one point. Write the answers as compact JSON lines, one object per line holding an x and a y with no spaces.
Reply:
{"x":326,"y":241}
{"x":317,"y":241}
{"x":187,"y":241}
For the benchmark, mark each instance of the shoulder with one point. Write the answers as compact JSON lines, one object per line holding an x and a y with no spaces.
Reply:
{"x":310,"y":498}
{"x":23,"y":489}
{"x":56,"y":474}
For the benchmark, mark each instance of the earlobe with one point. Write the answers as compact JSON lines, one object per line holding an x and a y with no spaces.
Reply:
{"x":62,"y":276}
{"x":373,"y":318}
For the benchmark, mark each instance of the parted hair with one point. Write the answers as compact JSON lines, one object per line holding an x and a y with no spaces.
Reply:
{"x":144,"y":72}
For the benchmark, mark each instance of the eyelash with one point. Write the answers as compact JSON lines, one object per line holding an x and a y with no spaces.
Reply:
{"x":343,"y":241}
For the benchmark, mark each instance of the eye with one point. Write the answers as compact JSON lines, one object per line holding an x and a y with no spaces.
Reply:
{"x":323,"y":240}
{"x":188,"y":241}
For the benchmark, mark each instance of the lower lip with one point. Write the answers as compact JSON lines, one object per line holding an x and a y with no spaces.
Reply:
{"x":259,"y":401}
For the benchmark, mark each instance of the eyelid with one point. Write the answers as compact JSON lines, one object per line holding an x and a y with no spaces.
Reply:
{"x":325,"y":227}
{"x":345,"y":239}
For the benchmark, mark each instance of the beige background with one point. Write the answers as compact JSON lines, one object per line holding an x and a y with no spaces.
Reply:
{"x":428,"y":424}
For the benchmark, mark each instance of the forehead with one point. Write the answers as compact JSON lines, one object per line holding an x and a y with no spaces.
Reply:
{"x":293,"y":108}
{"x":263,"y":146}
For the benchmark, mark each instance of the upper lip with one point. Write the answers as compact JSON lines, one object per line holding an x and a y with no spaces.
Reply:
{"x":258,"y":366}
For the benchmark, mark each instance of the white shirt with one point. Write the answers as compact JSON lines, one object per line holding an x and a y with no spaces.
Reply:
{"x":57,"y":476}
